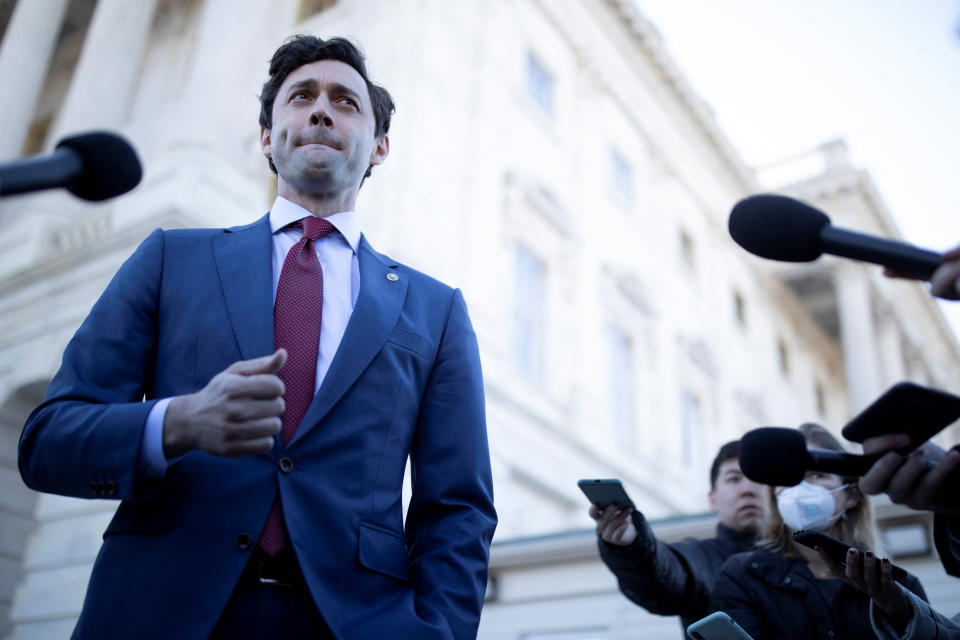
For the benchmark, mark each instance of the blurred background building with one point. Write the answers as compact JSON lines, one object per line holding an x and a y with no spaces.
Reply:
{"x":549,"y":158}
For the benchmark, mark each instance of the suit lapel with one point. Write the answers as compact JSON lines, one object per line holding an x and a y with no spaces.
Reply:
{"x":244,"y":262}
{"x":375,"y":315}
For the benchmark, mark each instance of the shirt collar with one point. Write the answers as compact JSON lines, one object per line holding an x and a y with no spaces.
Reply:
{"x":283,"y":212}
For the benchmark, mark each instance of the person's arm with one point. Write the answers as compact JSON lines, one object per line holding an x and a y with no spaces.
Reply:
{"x":649,"y":572}
{"x":925,"y":623}
{"x":451,"y":518}
{"x":85,"y":438}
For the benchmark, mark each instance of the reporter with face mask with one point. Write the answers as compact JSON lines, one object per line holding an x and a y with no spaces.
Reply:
{"x":783,"y":590}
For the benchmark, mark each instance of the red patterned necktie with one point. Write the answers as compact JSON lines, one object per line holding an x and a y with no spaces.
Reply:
{"x":296,"y":328}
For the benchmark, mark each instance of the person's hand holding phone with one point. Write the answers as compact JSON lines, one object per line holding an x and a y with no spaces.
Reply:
{"x":874,"y":577}
{"x":614,"y":524}
{"x":917,"y":479}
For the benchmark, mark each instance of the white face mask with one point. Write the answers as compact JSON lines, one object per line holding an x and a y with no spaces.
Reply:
{"x":808,"y":506}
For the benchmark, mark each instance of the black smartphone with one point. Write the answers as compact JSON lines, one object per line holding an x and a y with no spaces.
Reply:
{"x":906,"y":407}
{"x":837,"y":549}
{"x":605,"y":491}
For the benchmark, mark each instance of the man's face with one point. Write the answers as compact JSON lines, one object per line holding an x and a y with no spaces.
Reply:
{"x":322,"y":137}
{"x":737,"y":500}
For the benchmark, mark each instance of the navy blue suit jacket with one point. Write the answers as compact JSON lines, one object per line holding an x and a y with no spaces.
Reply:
{"x":405,"y":381}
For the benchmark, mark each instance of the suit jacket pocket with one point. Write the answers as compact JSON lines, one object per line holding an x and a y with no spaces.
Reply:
{"x":411,"y":342}
{"x":148,"y":516}
{"x":384,"y":551}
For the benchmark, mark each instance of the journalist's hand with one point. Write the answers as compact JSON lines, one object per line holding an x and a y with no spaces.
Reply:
{"x":614,"y":525}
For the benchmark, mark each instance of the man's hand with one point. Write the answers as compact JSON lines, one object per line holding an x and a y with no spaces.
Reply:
{"x":910,"y":480}
{"x":236,"y":414}
{"x":945,"y":282}
{"x":614,"y":525}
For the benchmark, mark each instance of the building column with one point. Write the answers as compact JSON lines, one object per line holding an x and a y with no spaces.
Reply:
{"x":25,"y":53}
{"x":105,"y":79}
{"x":858,"y":335}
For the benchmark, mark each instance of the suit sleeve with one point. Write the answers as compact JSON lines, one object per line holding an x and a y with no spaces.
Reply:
{"x":83,"y":440}
{"x":451,"y":518}
{"x":656,"y":576}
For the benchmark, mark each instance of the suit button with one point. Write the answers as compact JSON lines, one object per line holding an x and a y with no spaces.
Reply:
{"x":111,"y":488}
{"x":286,"y":465}
{"x":96,"y":488}
{"x":244,"y":541}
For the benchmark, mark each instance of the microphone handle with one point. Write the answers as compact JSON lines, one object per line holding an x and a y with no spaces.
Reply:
{"x":844,"y":464}
{"x":57,"y":169}
{"x":897,"y":256}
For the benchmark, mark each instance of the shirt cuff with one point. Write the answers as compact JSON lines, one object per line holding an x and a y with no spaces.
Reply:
{"x":152,"y":458}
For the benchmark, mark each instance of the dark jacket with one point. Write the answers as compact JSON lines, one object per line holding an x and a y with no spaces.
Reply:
{"x":774,"y":597}
{"x":672,"y":579}
{"x":946,"y":535}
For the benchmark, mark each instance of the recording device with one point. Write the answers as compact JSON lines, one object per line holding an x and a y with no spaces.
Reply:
{"x":781,"y":228}
{"x":779,"y":456}
{"x":906,"y":407}
{"x":604,"y":492}
{"x":93,"y":166}
{"x":717,"y":626}
{"x":837,"y":550}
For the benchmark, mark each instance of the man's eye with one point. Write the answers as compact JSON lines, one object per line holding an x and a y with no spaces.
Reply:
{"x":300,"y":95}
{"x":350,"y":101}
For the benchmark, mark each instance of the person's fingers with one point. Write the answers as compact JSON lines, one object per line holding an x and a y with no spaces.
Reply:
{"x":264,"y":364}
{"x":876,"y":480}
{"x":902,"y":483}
{"x":945,"y":282}
{"x":886,"y":442}
{"x":594,"y":512}
{"x":853,"y":570}
{"x":952,"y":254}
{"x":930,"y":483}
{"x":871,"y":577}
{"x":254,"y":429}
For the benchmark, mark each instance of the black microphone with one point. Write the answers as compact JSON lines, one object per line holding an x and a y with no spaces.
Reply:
{"x":779,"y":456}
{"x":93,"y":166}
{"x":781,"y":228}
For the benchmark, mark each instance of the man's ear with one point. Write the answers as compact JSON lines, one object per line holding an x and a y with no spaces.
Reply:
{"x":265,"y":143}
{"x":712,"y":499}
{"x":380,"y":151}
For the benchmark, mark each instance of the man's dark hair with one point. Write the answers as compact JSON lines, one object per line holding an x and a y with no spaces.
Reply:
{"x":729,"y":451}
{"x":300,"y":50}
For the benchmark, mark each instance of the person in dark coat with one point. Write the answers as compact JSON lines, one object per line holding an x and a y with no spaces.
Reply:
{"x":676,"y":579}
{"x":786,"y":591}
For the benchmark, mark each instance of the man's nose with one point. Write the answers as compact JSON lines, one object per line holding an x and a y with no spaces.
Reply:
{"x":320,"y":115}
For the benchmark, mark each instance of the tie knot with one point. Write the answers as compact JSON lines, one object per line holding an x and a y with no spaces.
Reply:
{"x":314,"y":227}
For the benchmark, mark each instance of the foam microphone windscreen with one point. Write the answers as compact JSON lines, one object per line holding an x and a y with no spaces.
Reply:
{"x":110,"y":165}
{"x":774,"y":455}
{"x":778,"y":228}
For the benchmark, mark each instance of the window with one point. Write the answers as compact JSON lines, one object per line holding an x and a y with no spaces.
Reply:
{"x":312,"y":7}
{"x":691,"y":426}
{"x":687,"y":250}
{"x":783,"y":355}
{"x":539,"y":83}
{"x":740,"y":309}
{"x":621,"y":176}
{"x":622,"y":381}
{"x":528,"y":311}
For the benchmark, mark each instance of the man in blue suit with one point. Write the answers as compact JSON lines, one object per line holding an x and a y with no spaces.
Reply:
{"x":252,"y":396}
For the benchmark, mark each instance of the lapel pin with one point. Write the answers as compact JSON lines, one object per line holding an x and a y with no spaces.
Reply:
{"x":392,"y":277}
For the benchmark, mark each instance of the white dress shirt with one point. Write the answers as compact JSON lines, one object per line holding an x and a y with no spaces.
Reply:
{"x":337,"y":254}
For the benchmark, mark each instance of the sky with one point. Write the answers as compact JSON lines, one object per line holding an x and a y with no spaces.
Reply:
{"x":783,"y":76}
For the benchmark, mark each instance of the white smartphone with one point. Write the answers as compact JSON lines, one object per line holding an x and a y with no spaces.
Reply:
{"x":717,"y":626}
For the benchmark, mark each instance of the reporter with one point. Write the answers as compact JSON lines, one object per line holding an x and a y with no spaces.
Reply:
{"x":783,"y":590}
{"x":677,"y":578}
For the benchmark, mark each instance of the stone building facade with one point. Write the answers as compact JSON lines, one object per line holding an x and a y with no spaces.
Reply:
{"x":548,"y":158}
